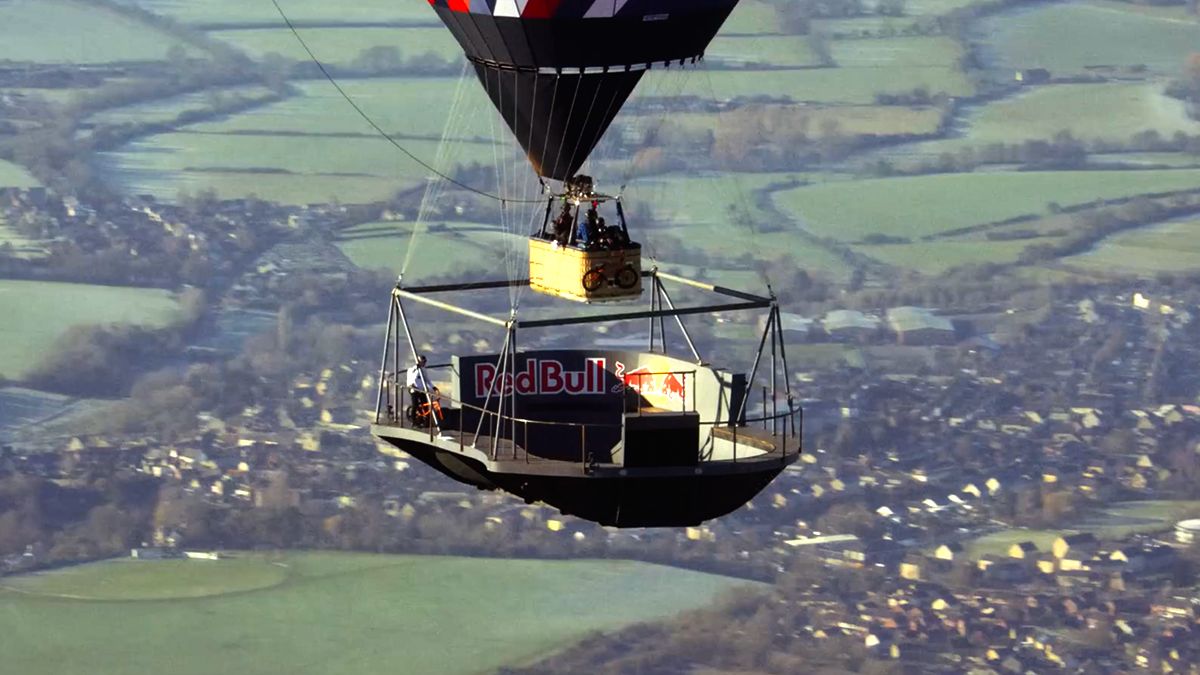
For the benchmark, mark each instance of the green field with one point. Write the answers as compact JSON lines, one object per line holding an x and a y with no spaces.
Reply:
{"x":12,"y":175}
{"x":168,"y":109}
{"x":889,"y":53}
{"x":341,"y":45}
{"x":819,"y":121}
{"x":1090,"y":112}
{"x":157,"y":580}
{"x":1141,"y":517}
{"x":701,"y":210}
{"x":36,"y":313}
{"x":1146,"y":251}
{"x":314,"y":147}
{"x":829,"y":85}
{"x":287,"y":169}
{"x":329,"y":613}
{"x":1173,"y":160}
{"x":998,"y":543}
{"x":927,"y":205}
{"x":1113,"y":111}
{"x":935,"y":257}
{"x":403,"y":106}
{"x":454,"y":247}
{"x":778,"y":50}
{"x":61,"y":31}
{"x":1067,"y":38}
{"x":1114,"y":522}
{"x":240,"y":12}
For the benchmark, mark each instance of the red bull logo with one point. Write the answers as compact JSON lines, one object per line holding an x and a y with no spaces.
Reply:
{"x":645,"y":382}
{"x":543,"y":377}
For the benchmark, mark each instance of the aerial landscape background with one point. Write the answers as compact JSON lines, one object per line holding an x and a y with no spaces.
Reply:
{"x":980,"y":218}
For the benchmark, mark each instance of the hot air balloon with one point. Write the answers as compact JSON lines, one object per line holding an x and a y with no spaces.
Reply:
{"x":619,"y":437}
{"x":560,"y":70}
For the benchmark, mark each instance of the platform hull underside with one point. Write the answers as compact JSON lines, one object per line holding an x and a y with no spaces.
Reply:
{"x":661,"y":501}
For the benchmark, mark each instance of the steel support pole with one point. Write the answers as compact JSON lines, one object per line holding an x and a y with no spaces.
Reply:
{"x":753,"y":372}
{"x":412,"y":346}
{"x":384,"y":386}
{"x":653,"y":305}
{"x":396,"y":360}
{"x":774,"y":321}
{"x":662,"y":289}
{"x":492,"y":388}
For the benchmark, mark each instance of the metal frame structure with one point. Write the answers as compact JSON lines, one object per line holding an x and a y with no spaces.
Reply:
{"x":661,"y":306}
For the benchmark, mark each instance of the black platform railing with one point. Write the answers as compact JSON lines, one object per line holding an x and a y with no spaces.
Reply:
{"x":496,"y":433}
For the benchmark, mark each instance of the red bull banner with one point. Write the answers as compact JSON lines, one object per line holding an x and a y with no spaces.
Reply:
{"x":544,"y":377}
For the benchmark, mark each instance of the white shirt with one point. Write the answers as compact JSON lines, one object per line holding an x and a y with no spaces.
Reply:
{"x":416,"y":379}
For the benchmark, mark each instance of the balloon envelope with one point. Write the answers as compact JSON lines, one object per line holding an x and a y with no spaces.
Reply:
{"x":560,"y":70}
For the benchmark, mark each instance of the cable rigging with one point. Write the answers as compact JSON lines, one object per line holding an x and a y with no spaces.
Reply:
{"x":367,"y":118}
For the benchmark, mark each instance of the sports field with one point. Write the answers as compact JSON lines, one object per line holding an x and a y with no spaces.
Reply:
{"x":926,"y":205}
{"x":1114,"y":522}
{"x":62,"y":31}
{"x":998,"y":543}
{"x":327,"y":613}
{"x":36,"y":313}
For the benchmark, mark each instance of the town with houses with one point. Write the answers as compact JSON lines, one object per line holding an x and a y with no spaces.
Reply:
{"x":969,"y":466}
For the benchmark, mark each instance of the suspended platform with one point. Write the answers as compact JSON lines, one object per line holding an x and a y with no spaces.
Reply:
{"x":621,"y":438}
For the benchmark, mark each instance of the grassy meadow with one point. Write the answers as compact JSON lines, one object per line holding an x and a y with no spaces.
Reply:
{"x":935,"y":257}
{"x":1166,"y":247}
{"x":998,"y":543}
{"x":167,"y":109}
{"x":847,"y":86}
{"x":62,"y":31}
{"x":36,"y":313}
{"x":328,"y":612}
{"x":13,"y":175}
{"x":336,"y":45}
{"x":1114,"y":522}
{"x":303,"y":12}
{"x":443,"y":247}
{"x":1073,"y":37}
{"x":314,"y":147}
{"x":929,"y":205}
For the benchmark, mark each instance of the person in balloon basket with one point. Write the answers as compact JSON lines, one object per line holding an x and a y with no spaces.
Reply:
{"x":562,"y":226}
{"x":591,"y":228}
{"x":419,"y":390}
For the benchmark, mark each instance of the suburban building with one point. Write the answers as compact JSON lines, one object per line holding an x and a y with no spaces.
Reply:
{"x":920,"y":326}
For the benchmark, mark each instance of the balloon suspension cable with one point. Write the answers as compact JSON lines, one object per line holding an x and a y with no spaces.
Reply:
{"x":367,"y":118}
{"x":742,"y":209}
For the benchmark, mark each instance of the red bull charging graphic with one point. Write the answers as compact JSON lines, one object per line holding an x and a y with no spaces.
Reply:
{"x":649,"y":383}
